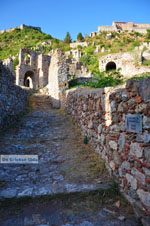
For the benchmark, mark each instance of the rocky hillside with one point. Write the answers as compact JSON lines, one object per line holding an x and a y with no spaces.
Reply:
{"x":11,"y":42}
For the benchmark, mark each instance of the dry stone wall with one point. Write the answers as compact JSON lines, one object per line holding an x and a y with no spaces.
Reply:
{"x":101,"y":115}
{"x":13,"y":99}
{"x":58,"y":77}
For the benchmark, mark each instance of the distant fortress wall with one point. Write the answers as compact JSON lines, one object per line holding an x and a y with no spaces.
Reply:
{"x":26,"y":26}
{"x":21,"y":27}
{"x":123,"y":26}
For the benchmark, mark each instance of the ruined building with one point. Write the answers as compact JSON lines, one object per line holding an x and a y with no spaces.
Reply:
{"x":32,"y":70}
{"x":122,"y":26}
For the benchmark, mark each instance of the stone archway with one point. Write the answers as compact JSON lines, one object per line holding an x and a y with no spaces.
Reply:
{"x":110,"y":66}
{"x":29,"y":79}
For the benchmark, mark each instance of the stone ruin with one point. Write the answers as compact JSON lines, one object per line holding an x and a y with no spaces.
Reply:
{"x":122,"y":26}
{"x":32,"y":71}
{"x":34,"y":68}
{"x":129,"y":63}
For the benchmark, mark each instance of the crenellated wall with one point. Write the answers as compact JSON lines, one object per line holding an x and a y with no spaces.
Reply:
{"x":101,"y":115}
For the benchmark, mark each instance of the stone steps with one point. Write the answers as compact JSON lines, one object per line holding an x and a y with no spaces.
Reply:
{"x":40,"y":102}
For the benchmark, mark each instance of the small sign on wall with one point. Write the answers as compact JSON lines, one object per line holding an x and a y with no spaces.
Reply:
{"x":134,"y":123}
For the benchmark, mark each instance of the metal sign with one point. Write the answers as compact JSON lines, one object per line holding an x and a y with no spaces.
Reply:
{"x":134,"y":123}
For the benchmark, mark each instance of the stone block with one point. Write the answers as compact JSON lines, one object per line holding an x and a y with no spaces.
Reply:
{"x":112,"y":165}
{"x":146,"y":171}
{"x":113,"y":145}
{"x":136,"y":150}
{"x":144,"y":89}
{"x":121,"y":141}
{"x":146,"y":122}
{"x":144,"y":197}
{"x":125,"y":165}
{"x":147,"y":154}
{"x":100,"y":128}
{"x":120,"y":107}
{"x":90,"y":125}
{"x":132,"y":181}
{"x":113,"y":106}
{"x":138,"y":175}
{"x":116,"y":157}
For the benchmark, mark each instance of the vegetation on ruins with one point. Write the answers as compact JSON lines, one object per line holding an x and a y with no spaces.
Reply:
{"x":98,"y":46}
{"x":11,"y":42}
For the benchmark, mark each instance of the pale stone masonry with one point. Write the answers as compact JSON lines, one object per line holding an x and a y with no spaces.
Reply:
{"x":122,"y":26}
{"x":101,"y":116}
{"x":127,"y":62}
{"x":58,"y":77}
{"x":32,"y":72}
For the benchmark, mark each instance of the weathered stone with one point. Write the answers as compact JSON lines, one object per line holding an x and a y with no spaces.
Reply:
{"x":144,"y":89}
{"x":120,"y":107}
{"x":113,"y":145}
{"x":116,"y":157}
{"x":132,"y":181}
{"x":138,"y":175}
{"x":84,"y":107}
{"x":140,"y":108}
{"x":124,"y":96}
{"x":146,"y":171}
{"x":112,"y":165}
{"x":136,"y":150}
{"x":121,"y":141}
{"x":26,"y":192}
{"x":146,"y":122}
{"x":100,"y":128}
{"x":125,"y":165}
{"x":90,"y":125}
{"x":147,"y":154}
{"x":8,"y":193}
{"x":113,"y":106}
{"x":145,"y":197}
{"x":145,"y":138}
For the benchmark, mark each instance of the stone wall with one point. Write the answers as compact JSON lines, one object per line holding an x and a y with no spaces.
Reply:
{"x":58,"y":77}
{"x":13,"y":99}
{"x":125,"y":61}
{"x":101,"y":114}
{"x":34,"y":73}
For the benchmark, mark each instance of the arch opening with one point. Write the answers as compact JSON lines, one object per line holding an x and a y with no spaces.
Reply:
{"x":110,"y":66}
{"x":28,"y":79}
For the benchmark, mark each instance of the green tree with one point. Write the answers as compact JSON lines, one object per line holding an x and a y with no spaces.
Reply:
{"x":80,"y":37}
{"x":148,"y":34}
{"x":67,"y":38}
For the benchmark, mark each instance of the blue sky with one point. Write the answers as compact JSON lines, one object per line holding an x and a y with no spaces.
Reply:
{"x":56,"y":17}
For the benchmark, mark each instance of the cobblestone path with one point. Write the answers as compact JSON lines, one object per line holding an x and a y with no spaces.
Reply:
{"x":45,"y":193}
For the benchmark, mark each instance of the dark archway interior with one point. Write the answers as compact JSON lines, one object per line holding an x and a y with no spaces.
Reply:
{"x":27,"y":83}
{"x":29,"y":76}
{"x":110,"y":66}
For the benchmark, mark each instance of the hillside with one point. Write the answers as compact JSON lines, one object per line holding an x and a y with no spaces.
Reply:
{"x":11,"y":42}
{"x":107,"y":42}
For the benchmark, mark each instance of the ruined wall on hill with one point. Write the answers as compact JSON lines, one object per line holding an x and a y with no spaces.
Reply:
{"x":101,"y":114}
{"x":13,"y":99}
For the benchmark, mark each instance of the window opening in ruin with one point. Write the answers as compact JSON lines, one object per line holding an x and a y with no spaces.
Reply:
{"x":110,"y":66}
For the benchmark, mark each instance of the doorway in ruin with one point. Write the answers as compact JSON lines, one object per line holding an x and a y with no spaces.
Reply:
{"x":110,"y":66}
{"x":28,"y":79}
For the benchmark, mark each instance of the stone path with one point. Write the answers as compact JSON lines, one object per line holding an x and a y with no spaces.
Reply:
{"x":66,"y":165}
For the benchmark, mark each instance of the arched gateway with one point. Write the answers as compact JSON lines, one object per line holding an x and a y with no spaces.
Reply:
{"x":110,"y":66}
{"x":29,"y":79}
